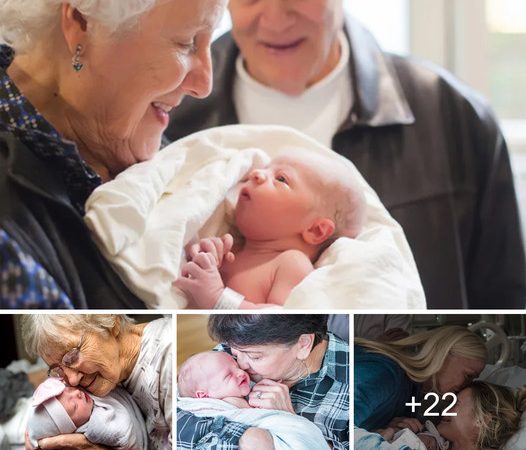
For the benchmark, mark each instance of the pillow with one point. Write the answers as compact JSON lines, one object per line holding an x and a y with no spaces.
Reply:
{"x":518,"y":440}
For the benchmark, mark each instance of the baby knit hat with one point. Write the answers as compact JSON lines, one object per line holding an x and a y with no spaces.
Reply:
{"x":48,"y":417}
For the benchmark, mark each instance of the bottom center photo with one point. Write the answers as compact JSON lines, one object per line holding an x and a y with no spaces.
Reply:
{"x":263,"y":381}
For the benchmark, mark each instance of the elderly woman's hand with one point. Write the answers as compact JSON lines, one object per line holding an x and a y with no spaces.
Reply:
{"x":65,"y":442}
{"x":270,"y":394}
{"x":387,"y":433}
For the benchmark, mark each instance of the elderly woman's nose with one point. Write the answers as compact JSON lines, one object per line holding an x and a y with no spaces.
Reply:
{"x":73,"y":376}
{"x":198,"y":80}
{"x":242,"y":361}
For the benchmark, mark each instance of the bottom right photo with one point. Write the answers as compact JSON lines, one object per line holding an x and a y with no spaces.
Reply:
{"x":440,"y":381}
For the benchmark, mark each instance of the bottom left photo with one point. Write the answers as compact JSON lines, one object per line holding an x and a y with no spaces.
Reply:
{"x":90,"y":381}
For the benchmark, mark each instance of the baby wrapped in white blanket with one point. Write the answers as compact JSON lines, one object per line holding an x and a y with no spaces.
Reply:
{"x":145,"y":217}
{"x":212,"y":384}
{"x":114,"y":421}
{"x":288,"y":431}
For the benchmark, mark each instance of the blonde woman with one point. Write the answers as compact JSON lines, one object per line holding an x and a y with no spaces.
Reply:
{"x":487,"y":417}
{"x":387,"y":375}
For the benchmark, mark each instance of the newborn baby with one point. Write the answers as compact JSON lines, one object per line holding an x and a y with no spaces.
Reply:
{"x":430,"y":438}
{"x":217,"y":375}
{"x":287,"y":213}
{"x":214,"y":375}
{"x":114,"y":421}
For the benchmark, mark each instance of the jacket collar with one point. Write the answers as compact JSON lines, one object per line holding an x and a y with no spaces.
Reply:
{"x":378,"y":96}
{"x":29,"y":171}
{"x":379,"y":99}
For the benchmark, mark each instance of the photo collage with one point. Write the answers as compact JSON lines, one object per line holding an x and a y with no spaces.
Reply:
{"x":263,"y":225}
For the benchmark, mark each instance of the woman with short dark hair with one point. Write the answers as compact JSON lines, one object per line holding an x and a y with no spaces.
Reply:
{"x":297,"y":366}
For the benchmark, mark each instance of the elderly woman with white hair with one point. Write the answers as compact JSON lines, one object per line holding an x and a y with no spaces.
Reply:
{"x":85,"y":92}
{"x":99,"y":352}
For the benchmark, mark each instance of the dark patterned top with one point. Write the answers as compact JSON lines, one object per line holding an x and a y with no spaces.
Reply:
{"x":24,"y":282}
{"x":322,"y":398}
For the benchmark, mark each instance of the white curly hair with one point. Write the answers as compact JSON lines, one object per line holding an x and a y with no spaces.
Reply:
{"x":40,"y":331}
{"x":22,"y":22}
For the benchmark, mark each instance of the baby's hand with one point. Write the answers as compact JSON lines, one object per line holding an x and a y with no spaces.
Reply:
{"x":201,"y":281}
{"x":219,"y":248}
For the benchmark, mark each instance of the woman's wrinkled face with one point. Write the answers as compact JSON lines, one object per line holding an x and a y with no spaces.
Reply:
{"x":98,"y":366}
{"x":272,"y":361}
{"x":130,"y":82}
{"x":462,"y":426}
{"x":457,"y":373}
{"x":288,"y":44}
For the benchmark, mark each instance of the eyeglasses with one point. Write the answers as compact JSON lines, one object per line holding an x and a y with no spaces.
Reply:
{"x":68,"y":360}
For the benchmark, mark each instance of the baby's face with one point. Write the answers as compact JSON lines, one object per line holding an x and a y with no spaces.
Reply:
{"x":222,"y":377}
{"x":276,"y":201}
{"x":429,"y":442}
{"x":78,"y":404}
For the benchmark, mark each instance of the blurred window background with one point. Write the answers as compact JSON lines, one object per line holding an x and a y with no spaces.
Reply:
{"x":483,"y":42}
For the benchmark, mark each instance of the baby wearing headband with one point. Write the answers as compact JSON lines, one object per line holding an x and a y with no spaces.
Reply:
{"x":114,"y":420}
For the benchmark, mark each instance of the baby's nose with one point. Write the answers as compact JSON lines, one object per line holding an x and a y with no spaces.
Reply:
{"x":258,"y":175}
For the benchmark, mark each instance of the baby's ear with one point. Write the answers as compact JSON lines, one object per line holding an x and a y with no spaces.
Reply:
{"x":319,"y":231}
{"x":201,"y":394}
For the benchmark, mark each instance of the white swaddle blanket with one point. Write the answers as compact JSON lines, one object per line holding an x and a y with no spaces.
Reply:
{"x":289,"y":431}
{"x":116,"y":422}
{"x":143,"y":219}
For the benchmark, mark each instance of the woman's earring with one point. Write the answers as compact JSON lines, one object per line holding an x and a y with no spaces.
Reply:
{"x":77,"y":65}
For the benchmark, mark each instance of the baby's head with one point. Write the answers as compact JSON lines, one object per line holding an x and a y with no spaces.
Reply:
{"x":213,"y":375}
{"x":315,"y":196}
{"x":57,"y":409}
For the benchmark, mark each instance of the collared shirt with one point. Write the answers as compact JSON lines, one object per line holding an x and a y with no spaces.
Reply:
{"x":24,"y":283}
{"x":322,"y":398}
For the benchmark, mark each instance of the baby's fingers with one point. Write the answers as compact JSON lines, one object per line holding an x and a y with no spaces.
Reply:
{"x":205,"y":261}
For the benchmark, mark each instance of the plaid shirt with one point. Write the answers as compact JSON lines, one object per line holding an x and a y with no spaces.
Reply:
{"x":322,"y":398}
{"x":24,"y":283}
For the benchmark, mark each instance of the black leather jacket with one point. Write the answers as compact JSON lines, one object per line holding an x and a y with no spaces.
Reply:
{"x":432,"y":150}
{"x":36,"y":211}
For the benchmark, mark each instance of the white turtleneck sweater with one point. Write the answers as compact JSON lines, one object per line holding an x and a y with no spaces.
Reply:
{"x":318,"y":111}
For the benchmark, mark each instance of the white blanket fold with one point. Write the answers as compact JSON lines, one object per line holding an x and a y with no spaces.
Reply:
{"x":143,"y":219}
{"x":289,"y":431}
{"x":116,"y":422}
